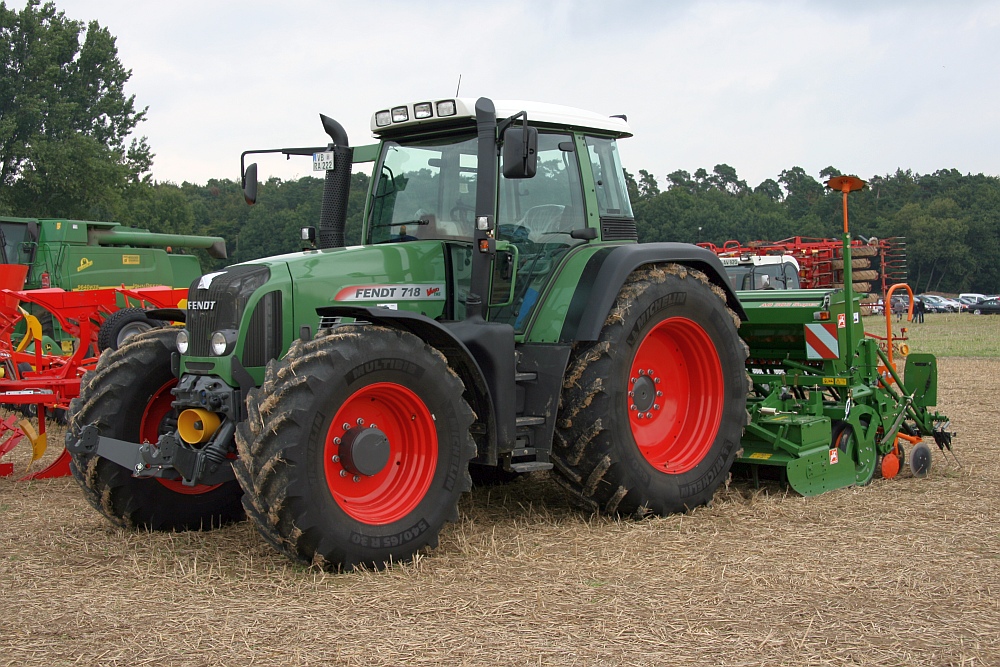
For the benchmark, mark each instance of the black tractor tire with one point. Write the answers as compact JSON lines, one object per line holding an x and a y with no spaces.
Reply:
{"x":866,"y":275}
{"x":856,"y":263}
{"x":128,"y":397}
{"x":331,"y":403}
{"x":670,"y":339}
{"x":122,"y":325}
{"x":863,"y":251}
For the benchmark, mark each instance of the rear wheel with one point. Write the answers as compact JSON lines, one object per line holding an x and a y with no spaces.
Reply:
{"x":356,"y":449}
{"x":653,"y":411}
{"x":128,"y":397}
{"x":920,"y":459}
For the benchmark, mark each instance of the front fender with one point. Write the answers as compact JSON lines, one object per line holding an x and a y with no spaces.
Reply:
{"x":481,"y":367}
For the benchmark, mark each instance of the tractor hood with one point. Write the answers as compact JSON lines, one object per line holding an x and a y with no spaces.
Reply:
{"x":406,"y":276}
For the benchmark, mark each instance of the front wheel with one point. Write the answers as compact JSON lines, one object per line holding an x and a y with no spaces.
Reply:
{"x":356,"y":449}
{"x":653,"y":411}
{"x":128,"y":397}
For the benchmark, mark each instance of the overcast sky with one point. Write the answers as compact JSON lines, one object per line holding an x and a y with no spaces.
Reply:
{"x":867,"y":87}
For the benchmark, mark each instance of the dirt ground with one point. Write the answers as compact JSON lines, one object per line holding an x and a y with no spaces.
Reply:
{"x":903,"y":572}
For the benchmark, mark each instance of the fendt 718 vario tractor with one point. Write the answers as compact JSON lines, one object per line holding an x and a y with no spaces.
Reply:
{"x":499,"y":318}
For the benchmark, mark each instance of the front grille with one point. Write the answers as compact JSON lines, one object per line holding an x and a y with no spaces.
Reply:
{"x":618,"y":229}
{"x":221,"y":304}
{"x":263,"y":339}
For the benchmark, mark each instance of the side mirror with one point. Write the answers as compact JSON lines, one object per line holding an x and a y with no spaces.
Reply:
{"x":520,"y":152}
{"x":307,"y":235}
{"x":250,"y":184}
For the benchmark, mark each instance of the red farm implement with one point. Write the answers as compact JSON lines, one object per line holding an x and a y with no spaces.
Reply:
{"x":876,"y":264}
{"x":36,"y":378}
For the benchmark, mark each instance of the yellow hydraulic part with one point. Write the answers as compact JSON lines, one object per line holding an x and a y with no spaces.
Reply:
{"x":196,"y":426}
{"x":38,"y":442}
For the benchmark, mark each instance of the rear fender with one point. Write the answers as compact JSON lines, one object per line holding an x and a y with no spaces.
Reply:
{"x":608,"y":269}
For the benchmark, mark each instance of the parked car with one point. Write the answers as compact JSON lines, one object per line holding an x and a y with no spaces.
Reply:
{"x":971,"y":298}
{"x":989,"y":306}
{"x":956,"y":305}
{"x":936,"y":304}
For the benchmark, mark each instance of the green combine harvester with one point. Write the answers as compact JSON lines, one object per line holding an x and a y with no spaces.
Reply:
{"x":500,"y":318}
{"x":82,"y":255}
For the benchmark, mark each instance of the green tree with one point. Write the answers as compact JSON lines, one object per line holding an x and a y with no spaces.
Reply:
{"x":66,"y":124}
{"x":648,"y":187}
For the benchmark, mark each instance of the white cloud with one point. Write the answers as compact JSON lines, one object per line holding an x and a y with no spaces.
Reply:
{"x":761,"y":86}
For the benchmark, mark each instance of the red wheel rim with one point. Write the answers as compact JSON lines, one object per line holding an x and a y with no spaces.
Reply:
{"x":676,"y":395}
{"x":156,"y":411}
{"x":394,"y":491}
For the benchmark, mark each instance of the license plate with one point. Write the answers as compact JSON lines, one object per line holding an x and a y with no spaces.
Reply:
{"x":323,"y":161}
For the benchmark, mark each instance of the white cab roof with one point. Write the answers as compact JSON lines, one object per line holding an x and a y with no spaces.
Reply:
{"x":538,"y":113}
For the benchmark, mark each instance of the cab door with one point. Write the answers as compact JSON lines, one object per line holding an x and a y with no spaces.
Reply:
{"x":536,"y":217}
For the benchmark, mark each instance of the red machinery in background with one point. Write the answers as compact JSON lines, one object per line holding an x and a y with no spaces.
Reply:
{"x":33,"y":375}
{"x":876,"y":264}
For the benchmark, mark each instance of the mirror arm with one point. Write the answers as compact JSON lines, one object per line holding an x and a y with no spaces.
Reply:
{"x":506,"y":123}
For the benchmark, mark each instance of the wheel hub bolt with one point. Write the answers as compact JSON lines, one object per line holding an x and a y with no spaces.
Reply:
{"x":656,"y":406}
{"x":336,"y":459}
{"x":346,"y":426}
{"x":361,"y":422}
{"x":343,"y":473}
{"x":357,"y":479}
{"x":640,"y":415}
{"x":649,"y":415}
{"x":336,"y":441}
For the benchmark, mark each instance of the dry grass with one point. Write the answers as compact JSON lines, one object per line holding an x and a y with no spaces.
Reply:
{"x":904,"y":572}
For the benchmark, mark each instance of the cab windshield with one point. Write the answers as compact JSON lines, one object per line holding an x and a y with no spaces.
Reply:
{"x":425,"y":190}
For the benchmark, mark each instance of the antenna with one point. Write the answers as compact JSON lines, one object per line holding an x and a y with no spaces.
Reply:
{"x":459,"y":86}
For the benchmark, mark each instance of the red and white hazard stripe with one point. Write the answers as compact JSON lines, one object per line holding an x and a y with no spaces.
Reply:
{"x":822,"y":341}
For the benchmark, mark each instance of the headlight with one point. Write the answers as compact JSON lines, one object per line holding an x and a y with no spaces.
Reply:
{"x":422,"y":110}
{"x":400,"y":114}
{"x":223,"y":342}
{"x":446,"y":108}
{"x":182,"y":341}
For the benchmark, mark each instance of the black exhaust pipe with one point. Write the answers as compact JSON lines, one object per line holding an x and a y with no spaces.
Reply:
{"x":337,"y":187}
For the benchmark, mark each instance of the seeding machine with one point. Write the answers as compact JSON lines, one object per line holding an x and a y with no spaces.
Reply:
{"x":500,"y":318}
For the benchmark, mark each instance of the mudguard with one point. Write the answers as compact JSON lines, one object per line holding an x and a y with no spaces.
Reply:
{"x":607,"y":270}
{"x":482,"y":353}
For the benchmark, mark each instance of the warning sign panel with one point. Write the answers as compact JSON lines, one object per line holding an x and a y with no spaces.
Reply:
{"x":822,"y":341}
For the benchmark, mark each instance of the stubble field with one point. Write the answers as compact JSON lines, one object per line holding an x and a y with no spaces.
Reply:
{"x":902,"y":572}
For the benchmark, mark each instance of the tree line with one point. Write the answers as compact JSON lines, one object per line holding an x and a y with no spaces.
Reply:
{"x":68,"y":149}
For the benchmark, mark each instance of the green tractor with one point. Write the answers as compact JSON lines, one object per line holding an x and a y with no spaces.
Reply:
{"x":500,"y":318}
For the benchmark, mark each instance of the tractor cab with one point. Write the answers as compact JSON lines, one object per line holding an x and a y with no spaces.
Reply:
{"x":433,"y":179}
